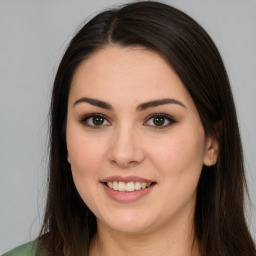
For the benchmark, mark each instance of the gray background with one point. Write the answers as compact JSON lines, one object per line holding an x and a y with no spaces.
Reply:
{"x":33,"y":36}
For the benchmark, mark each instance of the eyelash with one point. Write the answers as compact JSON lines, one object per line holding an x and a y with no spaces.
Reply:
{"x":168,"y":118}
{"x":84,"y":120}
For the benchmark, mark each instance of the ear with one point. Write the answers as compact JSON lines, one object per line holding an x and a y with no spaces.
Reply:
{"x":211,"y":150}
{"x":68,"y":159}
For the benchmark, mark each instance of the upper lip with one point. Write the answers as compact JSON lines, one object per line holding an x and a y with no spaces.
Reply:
{"x":126,"y":179}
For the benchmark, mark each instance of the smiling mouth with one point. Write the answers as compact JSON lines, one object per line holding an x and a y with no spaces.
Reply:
{"x":129,"y":186}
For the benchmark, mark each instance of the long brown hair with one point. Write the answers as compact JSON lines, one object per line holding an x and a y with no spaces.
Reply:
{"x":219,"y":222}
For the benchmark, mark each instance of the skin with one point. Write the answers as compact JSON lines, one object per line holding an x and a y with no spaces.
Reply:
{"x":128,"y":143}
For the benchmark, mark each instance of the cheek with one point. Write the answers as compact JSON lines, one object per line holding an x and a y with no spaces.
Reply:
{"x":86,"y":160}
{"x":179,"y":162}
{"x":84,"y":152}
{"x":181,"y":154}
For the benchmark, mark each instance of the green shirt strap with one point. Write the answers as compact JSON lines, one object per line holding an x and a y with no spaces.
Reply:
{"x":28,"y":249}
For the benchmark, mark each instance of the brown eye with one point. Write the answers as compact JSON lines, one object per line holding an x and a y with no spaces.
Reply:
{"x":159,"y":121}
{"x":98,"y":120}
{"x":95,"y":121}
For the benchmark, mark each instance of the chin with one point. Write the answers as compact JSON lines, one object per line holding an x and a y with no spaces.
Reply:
{"x":131,"y":228}
{"x":128,"y":223}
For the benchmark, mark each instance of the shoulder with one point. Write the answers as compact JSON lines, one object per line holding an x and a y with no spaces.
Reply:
{"x":28,"y":249}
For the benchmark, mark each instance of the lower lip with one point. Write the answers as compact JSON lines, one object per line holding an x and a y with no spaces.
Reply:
{"x":127,"y":197}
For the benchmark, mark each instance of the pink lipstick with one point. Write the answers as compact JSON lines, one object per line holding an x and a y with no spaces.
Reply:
{"x":127,"y":189}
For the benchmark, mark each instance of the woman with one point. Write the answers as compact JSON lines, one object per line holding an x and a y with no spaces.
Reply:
{"x":145,"y":152}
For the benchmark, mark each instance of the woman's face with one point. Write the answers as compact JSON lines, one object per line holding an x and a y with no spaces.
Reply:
{"x":135,"y":141}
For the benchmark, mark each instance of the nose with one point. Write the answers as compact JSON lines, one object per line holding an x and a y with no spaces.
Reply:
{"x":125,"y":149}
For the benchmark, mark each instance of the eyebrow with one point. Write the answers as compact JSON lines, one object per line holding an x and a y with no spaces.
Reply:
{"x":140,"y":107}
{"x":94,"y":102}
{"x":155,"y":103}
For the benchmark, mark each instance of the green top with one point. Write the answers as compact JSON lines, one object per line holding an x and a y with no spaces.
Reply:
{"x":28,"y":249}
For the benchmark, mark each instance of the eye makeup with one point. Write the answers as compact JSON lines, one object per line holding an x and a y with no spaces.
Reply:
{"x":156,"y":120}
{"x":159,"y":120}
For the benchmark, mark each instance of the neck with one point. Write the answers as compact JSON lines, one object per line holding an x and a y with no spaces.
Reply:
{"x":177,"y":240}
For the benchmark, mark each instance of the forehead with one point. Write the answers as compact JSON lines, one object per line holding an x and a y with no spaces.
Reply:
{"x":126,"y":72}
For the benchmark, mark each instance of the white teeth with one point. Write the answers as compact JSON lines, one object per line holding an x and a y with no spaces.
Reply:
{"x":110,"y":184}
{"x":115,"y":185}
{"x":128,"y":187}
{"x":121,"y":186}
{"x":138,"y":185}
